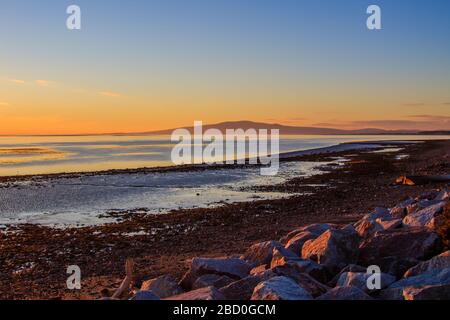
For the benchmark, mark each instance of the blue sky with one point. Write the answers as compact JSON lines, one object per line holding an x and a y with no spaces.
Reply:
{"x":313,"y":60}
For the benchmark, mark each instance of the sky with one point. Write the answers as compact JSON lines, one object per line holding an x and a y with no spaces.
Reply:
{"x":142,"y":65}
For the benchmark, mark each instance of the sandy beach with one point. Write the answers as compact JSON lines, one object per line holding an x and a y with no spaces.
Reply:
{"x":34,"y":258}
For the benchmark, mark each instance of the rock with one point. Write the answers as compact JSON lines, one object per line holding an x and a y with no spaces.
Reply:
{"x":261,"y":253}
{"x":232,"y":267}
{"x":280,"y":288}
{"x":390,"y":224}
{"x":212,"y":280}
{"x":243,"y":289}
{"x":345,"y":293}
{"x":359,"y":280}
{"x":430,"y":278}
{"x":427,"y":293}
{"x":163,"y":287}
{"x":378,"y":213}
{"x":439,"y":262}
{"x":144,"y":295}
{"x":258,"y":269}
{"x":396,"y":266}
{"x":444,"y":195}
{"x":425,"y":217}
{"x":400,"y":210}
{"x":430,"y":284}
{"x":334,"y":249}
{"x":349,"y":268}
{"x":283,"y":257}
{"x":425,"y":203}
{"x":366,"y":228}
{"x":208,"y":293}
{"x":295,"y":243}
{"x":398,"y":248}
{"x":316,"y":229}
{"x":311,"y":285}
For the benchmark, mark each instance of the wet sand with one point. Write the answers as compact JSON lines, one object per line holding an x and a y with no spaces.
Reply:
{"x":33,"y":259}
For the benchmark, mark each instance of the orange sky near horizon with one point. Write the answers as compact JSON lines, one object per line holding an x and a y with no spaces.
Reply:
{"x":50,"y":107}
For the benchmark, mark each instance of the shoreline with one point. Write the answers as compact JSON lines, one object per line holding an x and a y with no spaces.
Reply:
{"x":78,"y":216}
{"x":35,"y":257}
{"x":284,"y":156}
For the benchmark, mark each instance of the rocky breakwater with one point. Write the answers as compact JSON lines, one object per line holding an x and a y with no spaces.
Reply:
{"x":407,"y":243}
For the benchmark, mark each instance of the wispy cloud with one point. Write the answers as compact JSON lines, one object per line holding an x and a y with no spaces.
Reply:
{"x":110,"y":94}
{"x":43,"y":83}
{"x":4,"y":104}
{"x":414,"y":104}
{"x":446,"y":103}
{"x":17,"y":81}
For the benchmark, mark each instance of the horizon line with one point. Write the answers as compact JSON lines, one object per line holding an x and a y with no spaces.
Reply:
{"x":156,"y":132}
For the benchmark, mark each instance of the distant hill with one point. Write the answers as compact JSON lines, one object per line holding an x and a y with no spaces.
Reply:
{"x":441,"y":132}
{"x":293,"y":130}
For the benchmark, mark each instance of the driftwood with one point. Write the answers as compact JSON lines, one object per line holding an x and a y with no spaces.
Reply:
{"x":421,"y":180}
{"x":125,"y":285}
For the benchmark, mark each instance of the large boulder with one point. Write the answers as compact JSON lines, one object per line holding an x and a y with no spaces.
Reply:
{"x":378,"y":213}
{"x":261,"y":253}
{"x":163,"y":287}
{"x":231,"y":267}
{"x":334,"y":249}
{"x":345,"y":293}
{"x":212,"y":280}
{"x":430,"y":278}
{"x":208,"y":293}
{"x":316,"y":229}
{"x":439,"y":262}
{"x":349,"y":268}
{"x":296,"y":243}
{"x":401,"y":209}
{"x":366,"y":228}
{"x":307,"y":282}
{"x":283,"y":257}
{"x":359,"y":280}
{"x":431,"y":283}
{"x":280,"y":288}
{"x":243,"y":289}
{"x":390,"y":224}
{"x":395,"y":251}
{"x":425,"y":217}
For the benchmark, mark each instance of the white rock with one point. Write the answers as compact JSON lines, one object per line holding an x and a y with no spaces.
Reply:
{"x":280,"y":288}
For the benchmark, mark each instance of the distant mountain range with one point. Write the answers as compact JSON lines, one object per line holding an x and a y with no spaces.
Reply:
{"x":294,"y":130}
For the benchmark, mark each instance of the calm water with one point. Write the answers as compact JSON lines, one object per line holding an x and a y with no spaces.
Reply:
{"x":85,"y":199}
{"x":40,"y":155}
